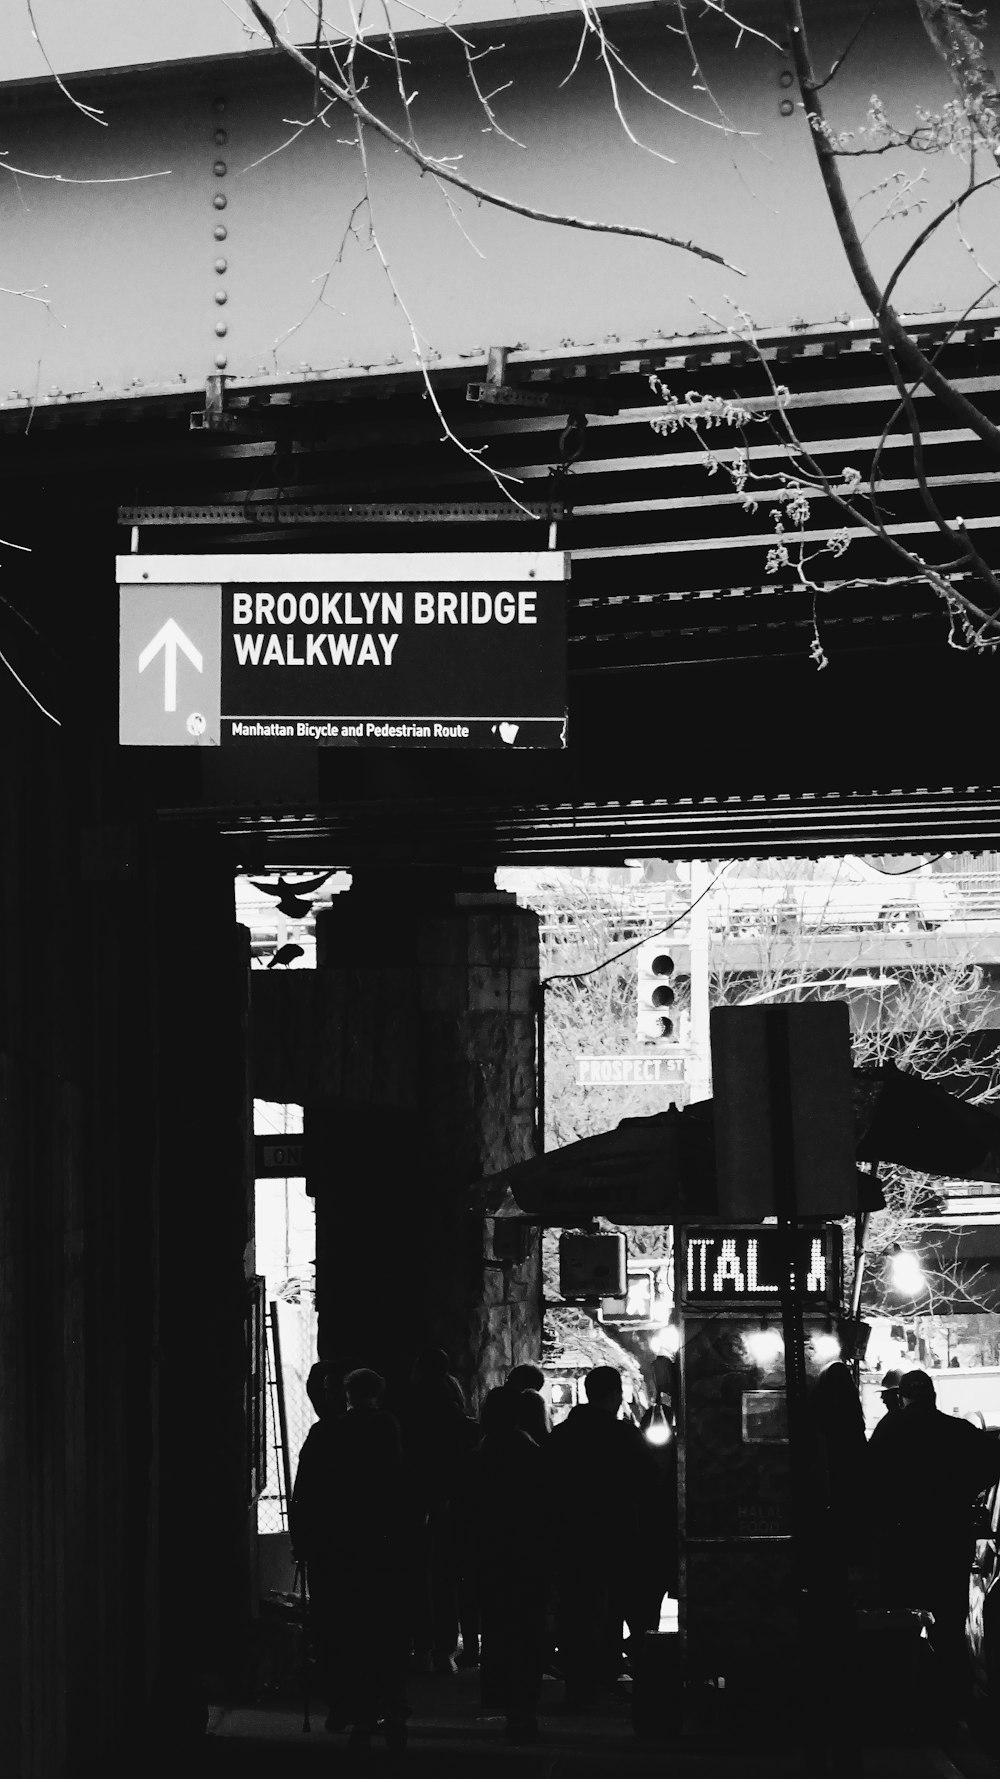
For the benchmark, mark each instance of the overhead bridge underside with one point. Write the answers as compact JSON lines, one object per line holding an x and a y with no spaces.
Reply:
{"x":719,"y":702}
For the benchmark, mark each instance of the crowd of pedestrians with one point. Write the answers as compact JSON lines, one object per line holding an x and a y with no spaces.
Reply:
{"x":432,"y":1541}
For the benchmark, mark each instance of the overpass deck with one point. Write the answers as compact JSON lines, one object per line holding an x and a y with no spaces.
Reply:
{"x":699,"y":723}
{"x":956,"y":943}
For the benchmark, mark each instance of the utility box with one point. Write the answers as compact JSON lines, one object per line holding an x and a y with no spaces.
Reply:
{"x":592,"y":1266}
{"x":738,"y":1584}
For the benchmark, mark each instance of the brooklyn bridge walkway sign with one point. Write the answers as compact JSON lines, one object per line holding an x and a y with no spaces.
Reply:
{"x":424,"y":650}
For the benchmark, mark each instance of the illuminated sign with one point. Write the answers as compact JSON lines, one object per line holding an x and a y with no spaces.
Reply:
{"x":433,"y":651}
{"x":648,"y":1299}
{"x":744,"y":1266}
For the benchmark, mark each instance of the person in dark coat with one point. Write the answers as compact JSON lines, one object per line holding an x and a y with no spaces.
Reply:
{"x":312,"y":1518}
{"x":439,"y":1435}
{"x":347,"y":1519}
{"x":836,"y":1535}
{"x":525,"y":1377}
{"x":605,"y":1502}
{"x":890,"y":1391}
{"x":927,"y":1469}
{"x":838,"y":1453}
{"x":509,"y":1543}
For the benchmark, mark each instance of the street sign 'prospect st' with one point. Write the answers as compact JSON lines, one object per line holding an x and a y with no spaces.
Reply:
{"x":435,"y":650}
{"x":629,"y":1071}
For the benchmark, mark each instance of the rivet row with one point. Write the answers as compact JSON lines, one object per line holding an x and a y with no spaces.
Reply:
{"x":220,"y":233}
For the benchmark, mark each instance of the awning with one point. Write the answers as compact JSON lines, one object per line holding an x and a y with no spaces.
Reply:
{"x":920,"y":1126}
{"x":645,"y":1170}
{"x":661,"y":1169}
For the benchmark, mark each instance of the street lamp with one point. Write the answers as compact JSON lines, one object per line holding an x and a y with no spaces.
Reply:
{"x":666,"y":1340}
{"x":906,"y":1276}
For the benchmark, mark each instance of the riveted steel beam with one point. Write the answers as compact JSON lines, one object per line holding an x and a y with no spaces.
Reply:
{"x":324,"y":513}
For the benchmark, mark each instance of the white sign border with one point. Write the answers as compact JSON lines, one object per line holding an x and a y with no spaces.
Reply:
{"x":439,"y":565}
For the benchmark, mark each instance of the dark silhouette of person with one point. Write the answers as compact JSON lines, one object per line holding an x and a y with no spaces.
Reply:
{"x":525,"y":1377}
{"x":605,"y":1503}
{"x":311,"y":1518}
{"x":835,"y":1550}
{"x":347,"y":1519}
{"x":838,"y":1452}
{"x":531,"y":1413}
{"x":509,"y":1544}
{"x":890,"y":1391}
{"x":439,"y":1436}
{"x":926,"y":1470}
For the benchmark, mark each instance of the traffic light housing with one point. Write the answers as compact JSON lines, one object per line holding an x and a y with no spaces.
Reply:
{"x":660,"y":964}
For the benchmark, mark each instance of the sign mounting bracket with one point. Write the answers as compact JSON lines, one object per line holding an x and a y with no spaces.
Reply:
{"x":214,"y":416}
{"x":556,"y":398}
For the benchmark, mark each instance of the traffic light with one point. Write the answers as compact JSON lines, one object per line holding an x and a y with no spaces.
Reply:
{"x":659,"y":966}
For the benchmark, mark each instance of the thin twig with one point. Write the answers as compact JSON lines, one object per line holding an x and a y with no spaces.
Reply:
{"x":970,"y":553}
{"x":474,"y":453}
{"x":7,"y":166}
{"x":841,"y":59}
{"x":898,"y":410}
{"x":927,"y":571}
{"x":740,"y":25}
{"x":319,"y":301}
{"x":92,"y":112}
{"x":27,"y":689}
{"x":700,"y":78}
{"x":931,"y":574}
{"x":926,"y":233}
{"x":608,"y":49}
{"x":32,"y":296}
{"x":300,"y":129}
{"x":486,"y":98}
{"x":432,"y":164}
{"x":907,"y":348}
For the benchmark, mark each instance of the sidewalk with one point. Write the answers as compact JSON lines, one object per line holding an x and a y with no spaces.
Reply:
{"x":449,"y":1737}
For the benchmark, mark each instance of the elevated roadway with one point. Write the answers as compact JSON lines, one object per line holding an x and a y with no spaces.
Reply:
{"x":956,"y":943}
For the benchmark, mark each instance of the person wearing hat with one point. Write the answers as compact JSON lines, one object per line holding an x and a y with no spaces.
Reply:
{"x":926,"y":1470}
{"x":890,"y":1392}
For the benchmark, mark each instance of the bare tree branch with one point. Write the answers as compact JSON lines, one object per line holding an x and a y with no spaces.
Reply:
{"x":954,"y":32}
{"x":26,"y":689}
{"x":909,"y":353}
{"x":475,"y":453}
{"x":839,"y":61}
{"x":444,"y":170}
{"x":806,"y":480}
{"x":7,"y":166}
{"x":91,"y":112}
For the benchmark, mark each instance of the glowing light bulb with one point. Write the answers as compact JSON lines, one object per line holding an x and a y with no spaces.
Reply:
{"x":657,"y":1428}
{"x":826,"y":1347}
{"x":666,"y":1340}
{"x":906,"y":1273}
{"x":764,"y":1346}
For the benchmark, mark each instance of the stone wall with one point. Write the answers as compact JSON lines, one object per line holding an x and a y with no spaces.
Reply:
{"x":423,"y":1076}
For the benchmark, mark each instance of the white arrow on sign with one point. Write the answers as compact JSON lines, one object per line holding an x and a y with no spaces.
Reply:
{"x":170,"y":638}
